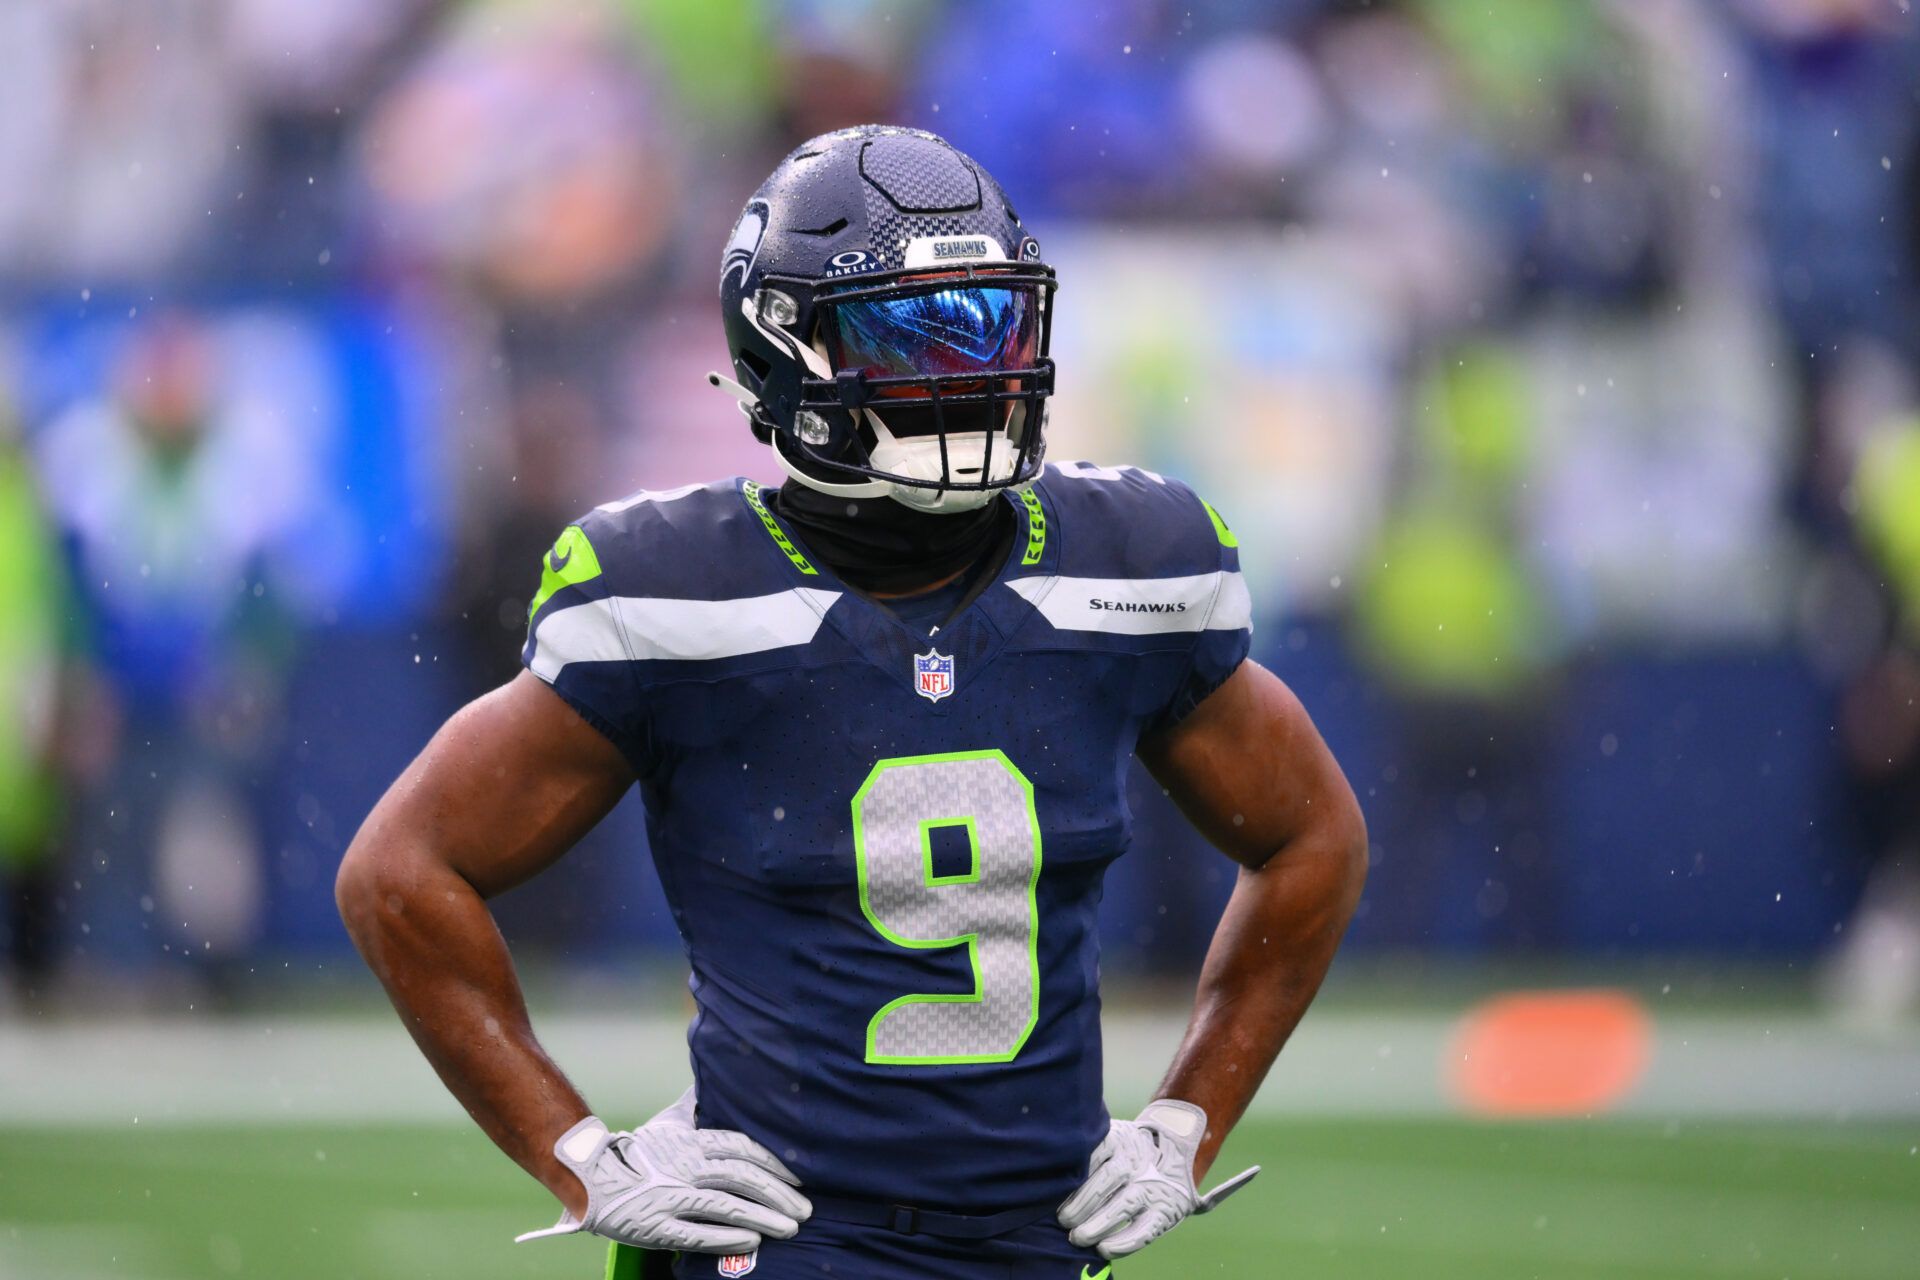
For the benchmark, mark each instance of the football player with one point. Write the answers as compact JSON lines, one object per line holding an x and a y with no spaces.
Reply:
{"x":881,"y":718}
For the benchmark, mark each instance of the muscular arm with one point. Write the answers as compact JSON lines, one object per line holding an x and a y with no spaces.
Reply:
{"x":1250,"y":771}
{"x":503,"y":790}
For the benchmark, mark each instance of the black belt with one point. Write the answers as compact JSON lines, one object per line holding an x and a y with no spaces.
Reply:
{"x":908,"y":1220}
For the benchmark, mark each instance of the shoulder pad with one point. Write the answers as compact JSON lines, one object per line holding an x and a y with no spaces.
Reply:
{"x":697,"y":542}
{"x":1131,"y":522}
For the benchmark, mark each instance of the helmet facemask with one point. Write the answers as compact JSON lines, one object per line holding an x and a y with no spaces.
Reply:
{"x":929,"y":388}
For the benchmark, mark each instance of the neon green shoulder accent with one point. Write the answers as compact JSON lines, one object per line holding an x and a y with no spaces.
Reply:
{"x":1220,"y":526}
{"x":1036,"y":527}
{"x":571,"y":562}
{"x":774,"y":531}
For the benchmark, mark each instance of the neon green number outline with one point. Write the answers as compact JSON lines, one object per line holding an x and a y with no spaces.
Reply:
{"x":972,"y":940}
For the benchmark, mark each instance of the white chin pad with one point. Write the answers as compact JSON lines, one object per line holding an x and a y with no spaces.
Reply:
{"x":942,"y":501}
{"x":918,"y":457}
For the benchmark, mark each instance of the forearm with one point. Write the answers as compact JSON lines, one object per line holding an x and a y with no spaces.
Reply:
{"x":429,"y":937}
{"x":1269,"y":955}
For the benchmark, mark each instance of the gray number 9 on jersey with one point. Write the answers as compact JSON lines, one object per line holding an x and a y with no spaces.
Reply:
{"x":989,"y":908}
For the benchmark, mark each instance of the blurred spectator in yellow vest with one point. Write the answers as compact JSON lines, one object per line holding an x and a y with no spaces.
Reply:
{"x":1448,"y":619}
{"x":1876,"y":977}
{"x":31,"y":661}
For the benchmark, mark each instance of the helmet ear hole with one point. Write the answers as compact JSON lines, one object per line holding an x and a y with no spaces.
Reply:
{"x":756,"y":365}
{"x":762,"y":429}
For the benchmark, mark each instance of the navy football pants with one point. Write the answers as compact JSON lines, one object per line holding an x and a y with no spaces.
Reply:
{"x":827,"y":1250}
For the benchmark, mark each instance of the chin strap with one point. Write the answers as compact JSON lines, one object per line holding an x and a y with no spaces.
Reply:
{"x":906,"y":495}
{"x":750,"y":404}
{"x":836,"y":489}
{"x":748,"y":401}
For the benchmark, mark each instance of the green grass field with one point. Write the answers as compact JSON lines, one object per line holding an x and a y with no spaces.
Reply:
{"x":1433,"y":1199}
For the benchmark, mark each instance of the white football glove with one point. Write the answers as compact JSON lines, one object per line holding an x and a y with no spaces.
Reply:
{"x":668,"y":1185}
{"x":1140,"y":1181}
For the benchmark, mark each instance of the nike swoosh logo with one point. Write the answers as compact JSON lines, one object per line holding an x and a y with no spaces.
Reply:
{"x":1102,"y":1274}
{"x":558,"y":562}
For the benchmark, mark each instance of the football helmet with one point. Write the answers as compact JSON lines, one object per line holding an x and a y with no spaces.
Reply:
{"x":888,"y":317}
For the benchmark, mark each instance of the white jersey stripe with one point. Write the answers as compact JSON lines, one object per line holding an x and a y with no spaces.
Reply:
{"x":648,"y":495}
{"x":1233,"y":607}
{"x":1141,"y":606}
{"x":648,"y":628}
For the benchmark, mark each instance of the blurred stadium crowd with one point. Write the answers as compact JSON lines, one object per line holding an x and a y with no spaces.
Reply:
{"x":1558,"y":365}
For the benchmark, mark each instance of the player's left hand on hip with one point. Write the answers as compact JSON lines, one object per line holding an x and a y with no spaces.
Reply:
{"x":1140,"y":1181}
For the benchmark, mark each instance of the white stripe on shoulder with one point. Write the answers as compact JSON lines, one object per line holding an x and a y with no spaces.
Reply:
{"x":649,"y":628}
{"x":587,"y":632}
{"x":1141,"y":606}
{"x":1094,"y":471}
{"x":1233,"y":607}
{"x":648,"y":495}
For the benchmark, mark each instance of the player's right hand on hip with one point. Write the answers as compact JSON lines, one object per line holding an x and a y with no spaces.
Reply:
{"x":668,"y":1185}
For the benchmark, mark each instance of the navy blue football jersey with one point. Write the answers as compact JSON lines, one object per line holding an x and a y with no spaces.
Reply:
{"x":884,"y":848}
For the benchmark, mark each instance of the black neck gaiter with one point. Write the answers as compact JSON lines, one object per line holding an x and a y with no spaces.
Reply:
{"x":877,"y":544}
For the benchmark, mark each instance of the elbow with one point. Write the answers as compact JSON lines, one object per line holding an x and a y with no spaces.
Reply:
{"x":1327,"y":861}
{"x":357,"y":891}
{"x":350,"y":888}
{"x":1349,"y":846}
{"x":1357,"y":859}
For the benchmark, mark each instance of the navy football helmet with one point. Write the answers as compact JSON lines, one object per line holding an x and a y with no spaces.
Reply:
{"x":889,"y":318}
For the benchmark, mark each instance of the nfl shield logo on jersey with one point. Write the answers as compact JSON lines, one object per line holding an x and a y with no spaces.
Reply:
{"x":738,"y":1264}
{"x":932,"y":675}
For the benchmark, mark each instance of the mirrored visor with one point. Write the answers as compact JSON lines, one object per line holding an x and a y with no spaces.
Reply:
{"x":969,"y":329}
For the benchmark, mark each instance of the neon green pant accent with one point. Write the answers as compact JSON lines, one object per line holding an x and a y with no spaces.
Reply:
{"x":625,"y":1262}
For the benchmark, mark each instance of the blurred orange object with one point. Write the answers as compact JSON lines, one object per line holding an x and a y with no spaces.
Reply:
{"x":1549,"y":1053}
